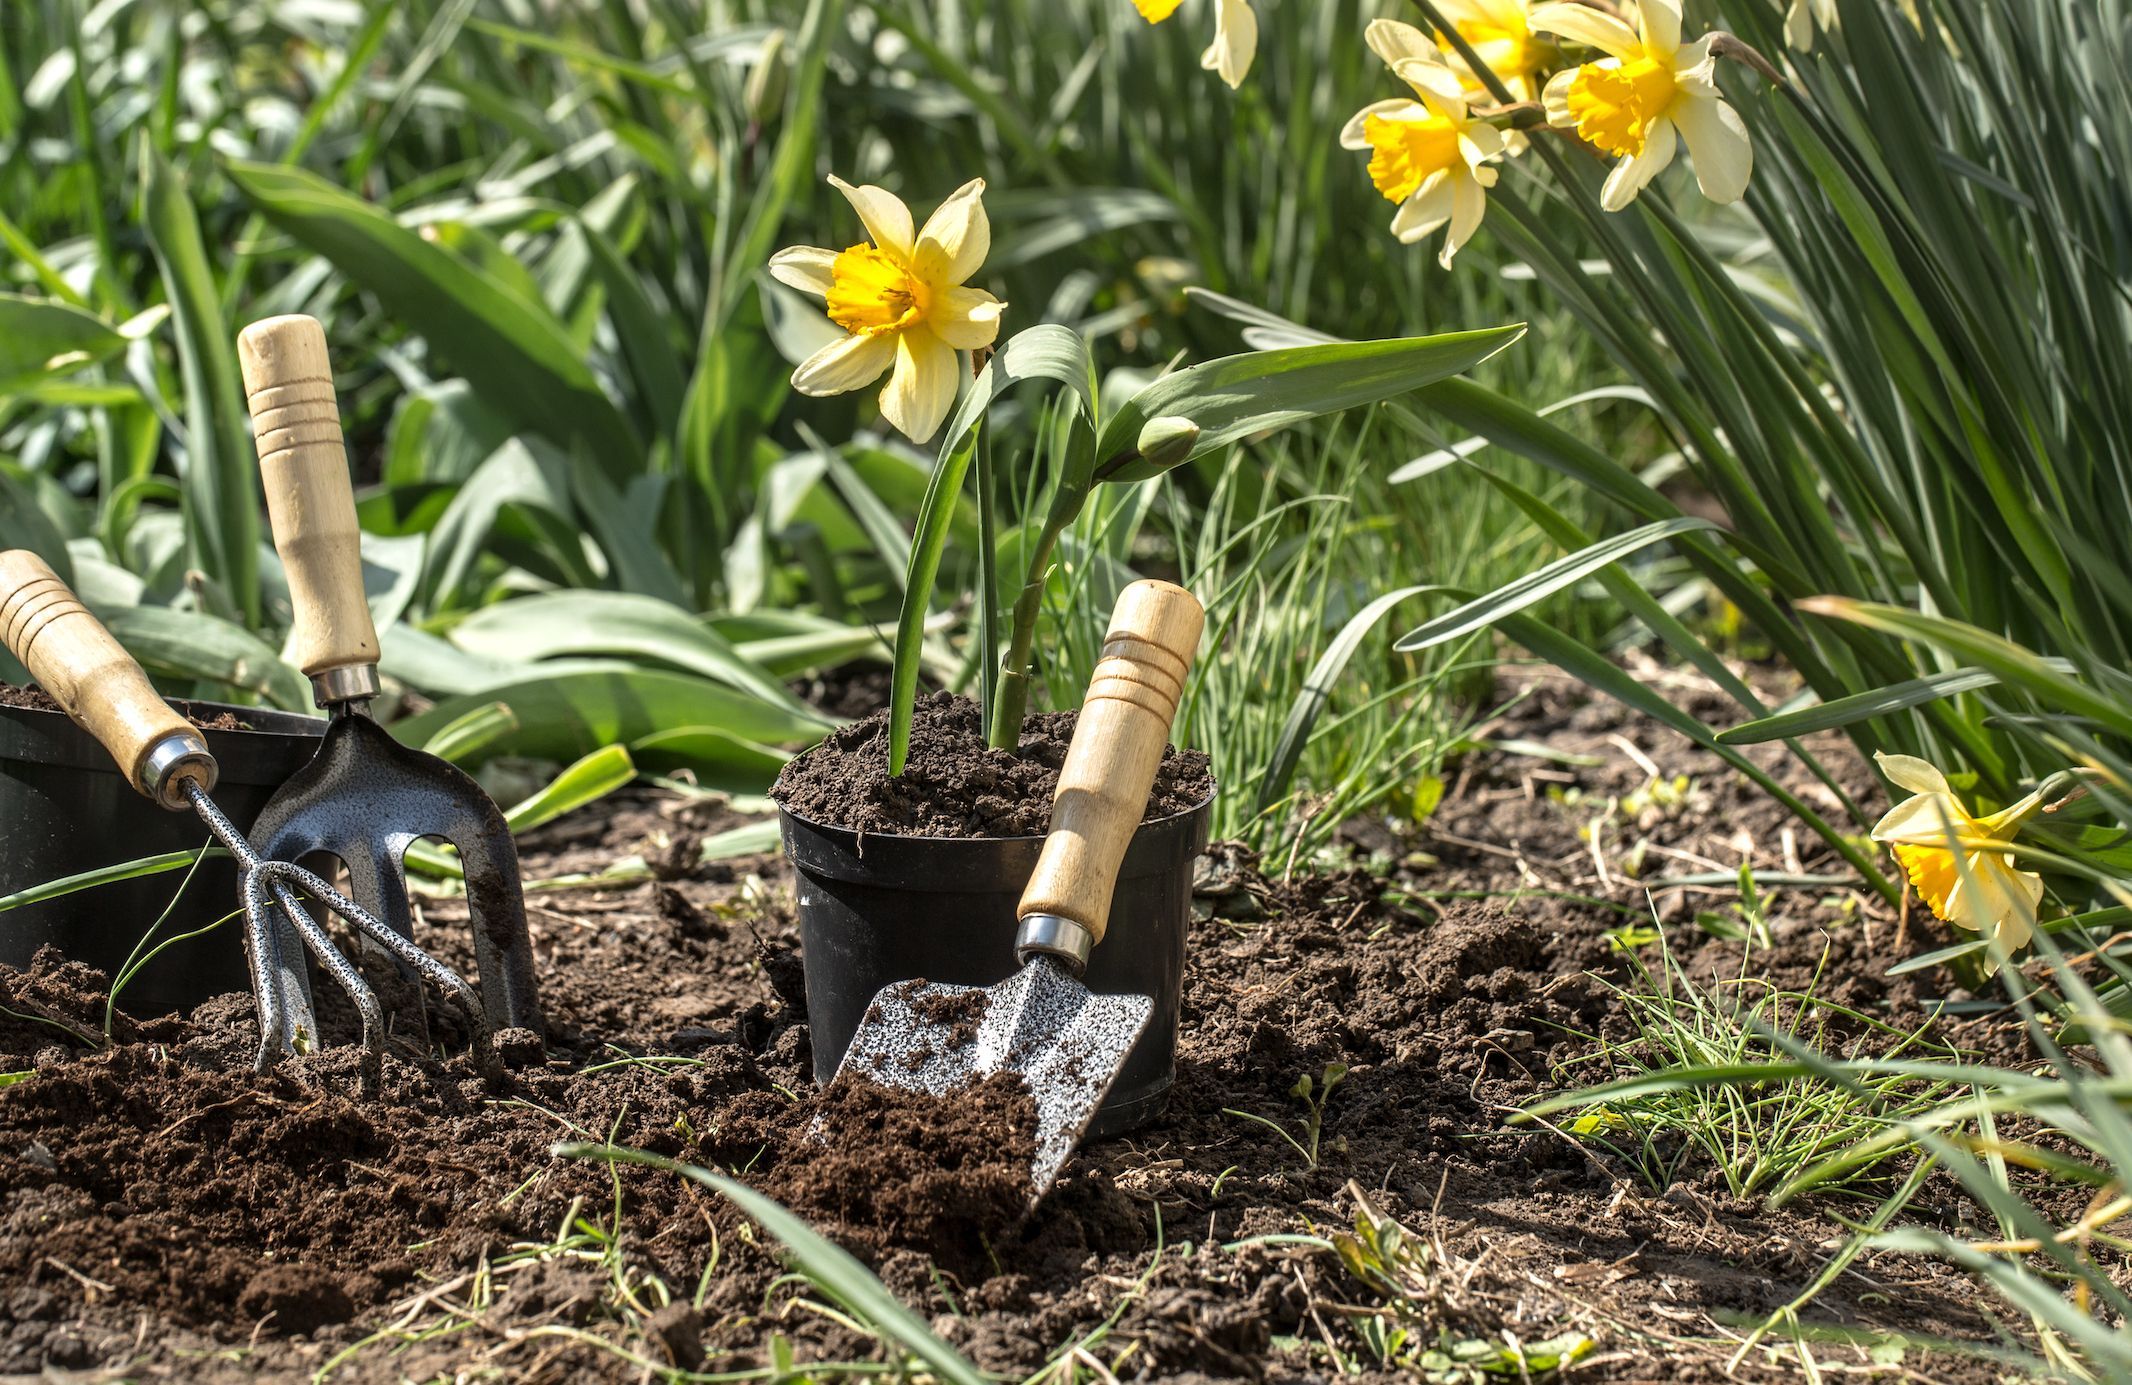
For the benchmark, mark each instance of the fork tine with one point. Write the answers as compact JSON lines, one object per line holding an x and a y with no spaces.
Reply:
{"x":378,"y":882}
{"x":496,"y":908}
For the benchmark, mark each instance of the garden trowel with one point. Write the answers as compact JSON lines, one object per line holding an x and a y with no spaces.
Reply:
{"x":1042,"y":1023}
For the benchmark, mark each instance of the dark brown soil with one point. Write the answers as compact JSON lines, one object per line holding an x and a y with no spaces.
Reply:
{"x":36,"y":699}
{"x":953,"y":784}
{"x":884,"y":1169}
{"x":166,"y":1214}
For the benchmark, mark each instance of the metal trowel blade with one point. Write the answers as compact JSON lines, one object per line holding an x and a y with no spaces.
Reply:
{"x":1064,"y":1041}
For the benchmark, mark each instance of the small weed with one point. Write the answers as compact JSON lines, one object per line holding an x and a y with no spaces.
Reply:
{"x":1314,"y":1093}
{"x":1435,"y":1319}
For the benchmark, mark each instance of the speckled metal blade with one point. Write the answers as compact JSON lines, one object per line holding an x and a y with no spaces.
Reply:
{"x":1065,"y":1041}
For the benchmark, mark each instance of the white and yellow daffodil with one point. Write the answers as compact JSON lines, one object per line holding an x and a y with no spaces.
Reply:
{"x":1235,"y":35}
{"x":1803,"y":18}
{"x":902,"y":296}
{"x":1500,"y":34}
{"x":1650,"y":92}
{"x":1429,"y":155}
{"x":1954,"y":860}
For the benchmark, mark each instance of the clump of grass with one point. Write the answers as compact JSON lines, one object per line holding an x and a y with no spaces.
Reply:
{"x":1705,"y":1075}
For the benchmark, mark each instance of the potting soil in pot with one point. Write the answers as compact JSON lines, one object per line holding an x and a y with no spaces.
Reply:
{"x":36,"y":699}
{"x":953,"y":784}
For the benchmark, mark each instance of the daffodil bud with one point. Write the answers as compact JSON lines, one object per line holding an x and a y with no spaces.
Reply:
{"x":1165,"y":442}
{"x":765,"y":93}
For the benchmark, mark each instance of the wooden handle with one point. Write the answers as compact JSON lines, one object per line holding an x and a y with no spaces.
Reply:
{"x":75,"y":659}
{"x":304,"y":465}
{"x":1117,"y":746}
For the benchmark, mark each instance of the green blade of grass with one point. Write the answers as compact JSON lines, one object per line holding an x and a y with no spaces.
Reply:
{"x":827,"y":1265}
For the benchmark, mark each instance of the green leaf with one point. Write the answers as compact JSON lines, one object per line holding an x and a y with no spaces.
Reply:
{"x":468,"y":735}
{"x":563,"y":717}
{"x":515,"y":353}
{"x":1237,"y":396}
{"x":1317,"y":687}
{"x":1513,"y":597}
{"x":714,"y":758}
{"x":42,"y":339}
{"x":221,"y":496}
{"x":105,"y":875}
{"x":2014,"y":665}
{"x":590,"y":779}
{"x":189,"y":644}
{"x":1044,"y":352}
{"x":1863,"y":706}
{"x":828,"y":1266}
{"x":598,"y":622}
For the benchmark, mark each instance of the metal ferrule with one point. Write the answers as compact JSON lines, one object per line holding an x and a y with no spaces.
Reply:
{"x":170,"y":762}
{"x":1048,"y":935}
{"x":349,"y":683}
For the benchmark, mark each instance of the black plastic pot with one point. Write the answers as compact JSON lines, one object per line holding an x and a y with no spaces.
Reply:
{"x":66,"y":809}
{"x":894,"y":908}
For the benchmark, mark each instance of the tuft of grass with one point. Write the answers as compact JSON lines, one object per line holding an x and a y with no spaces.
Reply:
{"x":1665,"y":1109}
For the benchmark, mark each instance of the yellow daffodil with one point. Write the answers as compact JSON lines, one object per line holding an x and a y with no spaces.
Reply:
{"x":1429,"y":155}
{"x":1235,"y":35}
{"x":1803,"y":18}
{"x":1500,"y":35}
{"x":903,"y":299}
{"x":1648,"y":93}
{"x":1981,"y":891}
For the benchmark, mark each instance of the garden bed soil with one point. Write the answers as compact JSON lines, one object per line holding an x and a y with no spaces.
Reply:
{"x":953,"y":784}
{"x":167,"y":1214}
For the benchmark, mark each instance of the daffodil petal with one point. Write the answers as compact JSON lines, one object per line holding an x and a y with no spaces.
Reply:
{"x":1695,"y":69}
{"x":1468,"y":205}
{"x":1352,"y":134}
{"x":1929,"y":819}
{"x":1555,"y":99}
{"x":922,"y":388}
{"x":1633,"y":175}
{"x":1909,"y":772}
{"x":2012,"y":815}
{"x":1799,"y":27}
{"x":1430,"y":207}
{"x":1437,"y":84}
{"x":1479,"y":142}
{"x":1660,"y":23}
{"x":1235,"y":42}
{"x":1717,"y":141}
{"x":956,"y":238}
{"x":1583,"y":24}
{"x":966,"y":319}
{"x":885,"y":217}
{"x":1395,"y":41}
{"x":846,"y":365}
{"x":806,"y":268}
{"x":1155,"y":11}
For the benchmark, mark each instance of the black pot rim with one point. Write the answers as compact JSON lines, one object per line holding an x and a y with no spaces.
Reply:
{"x":259,"y":755}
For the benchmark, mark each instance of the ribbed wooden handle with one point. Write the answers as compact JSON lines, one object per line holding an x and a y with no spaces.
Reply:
{"x":1117,"y":746}
{"x":304,"y":465}
{"x":76,"y":660}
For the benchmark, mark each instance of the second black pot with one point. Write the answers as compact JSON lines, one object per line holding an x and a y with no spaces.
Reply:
{"x":66,"y":809}
{"x":889,"y":909}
